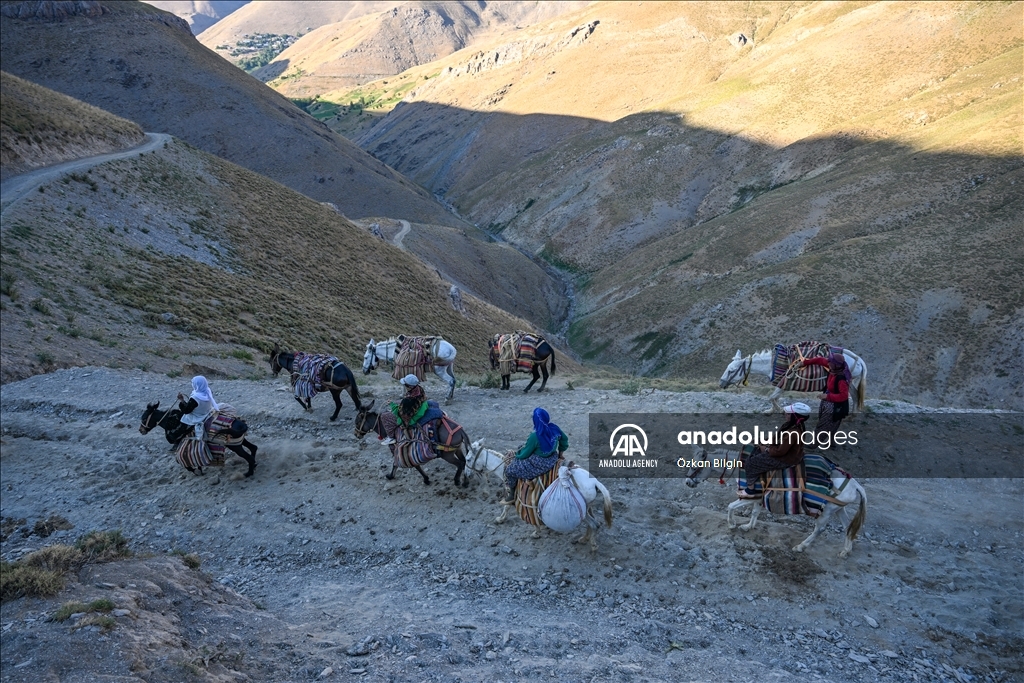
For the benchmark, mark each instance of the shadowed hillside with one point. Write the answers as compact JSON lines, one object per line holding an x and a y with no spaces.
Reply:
{"x":144,"y":64}
{"x":39,"y":127}
{"x":180,"y":261}
{"x":742,"y":176}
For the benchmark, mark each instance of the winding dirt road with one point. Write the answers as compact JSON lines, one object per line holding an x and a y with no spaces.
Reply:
{"x":14,"y":189}
{"x":401,"y":234}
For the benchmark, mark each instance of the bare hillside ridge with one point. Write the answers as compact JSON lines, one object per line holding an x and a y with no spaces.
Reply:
{"x":536,"y":139}
{"x":144,"y":65}
{"x":348,"y":53}
{"x":39,"y":127}
{"x":200,"y":14}
{"x":182,"y":262}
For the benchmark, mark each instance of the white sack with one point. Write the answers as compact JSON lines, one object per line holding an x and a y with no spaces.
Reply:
{"x":562,"y":506}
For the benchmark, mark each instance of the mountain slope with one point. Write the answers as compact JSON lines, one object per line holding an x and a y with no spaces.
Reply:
{"x":39,"y":127}
{"x":621,"y":143}
{"x":200,"y":14}
{"x":359,"y":50}
{"x":144,"y":65}
{"x":180,"y":261}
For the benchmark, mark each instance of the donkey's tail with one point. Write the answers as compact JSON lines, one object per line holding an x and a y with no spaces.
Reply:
{"x":862,"y":385}
{"x":354,"y":389}
{"x":858,"y":520}
{"x":553,"y":365}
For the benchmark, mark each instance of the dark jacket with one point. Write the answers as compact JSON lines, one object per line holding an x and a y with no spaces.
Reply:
{"x":789,"y":450}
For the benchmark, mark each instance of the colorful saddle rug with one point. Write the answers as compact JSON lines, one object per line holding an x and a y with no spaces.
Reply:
{"x":223,"y":428}
{"x":804,"y":489}
{"x":517,"y":352}
{"x":309,"y":371}
{"x":529,"y":491}
{"x":415,"y":356}
{"x":790,"y":377}
{"x":414,"y":446}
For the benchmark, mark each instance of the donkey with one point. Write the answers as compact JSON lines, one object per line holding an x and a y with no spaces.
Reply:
{"x":541,"y":352}
{"x":760,"y":363}
{"x":443,"y":355}
{"x":175,"y":431}
{"x":485,"y":462}
{"x":452,"y":436}
{"x":849,"y":491}
{"x":335,"y":379}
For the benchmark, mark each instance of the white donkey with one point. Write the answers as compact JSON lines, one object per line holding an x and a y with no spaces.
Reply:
{"x":849,"y":491}
{"x":442,"y":352}
{"x":485,"y":462}
{"x":741,"y":367}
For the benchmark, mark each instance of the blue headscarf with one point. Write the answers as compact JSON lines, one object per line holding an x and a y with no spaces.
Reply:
{"x":547,"y":431}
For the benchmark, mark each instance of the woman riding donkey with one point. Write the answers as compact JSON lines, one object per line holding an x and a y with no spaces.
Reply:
{"x":539,"y":455}
{"x":787,"y":451}
{"x":199,"y":406}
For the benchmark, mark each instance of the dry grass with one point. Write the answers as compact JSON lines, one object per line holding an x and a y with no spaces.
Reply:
{"x":39,"y":127}
{"x":283,"y":268}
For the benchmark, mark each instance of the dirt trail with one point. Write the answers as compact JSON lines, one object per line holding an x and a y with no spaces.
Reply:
{"x":15,"y":188}
{"x":326,"y":564}
{"x":402,"y":233}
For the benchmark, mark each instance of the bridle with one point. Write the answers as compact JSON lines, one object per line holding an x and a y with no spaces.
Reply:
{"x":159,"y":423}
{"x":361,"y":429}
{"x":372,"y":350}
{"x":275,"y":362}
{"x":745,"y":365}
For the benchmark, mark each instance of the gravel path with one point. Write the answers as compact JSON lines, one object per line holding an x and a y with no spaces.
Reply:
{"x":15,"y":188}
{"x":318,"y":562}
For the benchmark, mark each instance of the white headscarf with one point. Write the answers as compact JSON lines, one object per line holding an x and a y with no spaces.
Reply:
{"x":201,"y":391}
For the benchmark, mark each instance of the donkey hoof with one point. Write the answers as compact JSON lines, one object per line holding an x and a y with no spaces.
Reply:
{"x":389,"y":476}
{"x":798,"y":548}
{"x":844,"y":553}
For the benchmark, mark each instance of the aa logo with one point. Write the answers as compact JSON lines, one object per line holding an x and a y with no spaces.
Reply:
{"x":627,"y":443}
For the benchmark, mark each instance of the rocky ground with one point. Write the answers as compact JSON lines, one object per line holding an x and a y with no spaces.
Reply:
{"x":318,"y":568}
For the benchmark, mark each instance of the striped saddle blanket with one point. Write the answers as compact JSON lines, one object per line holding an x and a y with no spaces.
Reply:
{"x":414,"y":446}
{"x":517,"y":352}
{"x":193,"y":454}
{"x":415,"y":356}
{"x":800,"y":490}
{"x":529,"y":491}
{"x":308,"y":372}
{"x":787,"y":376}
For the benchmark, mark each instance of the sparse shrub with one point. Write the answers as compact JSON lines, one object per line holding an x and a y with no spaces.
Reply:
{"x":18,"y":580}
{"x":192,"y":560}
{"x":41,"y":306}
{"x":104,"y":621}
{"x":8,"y":286}
{"x":632,"y":387}
{"x":69,"y":608}
{"x":45,"y":358}
{"x":241,"y":354}
{"x":175,"y":373}
{"x":569,"y":386}
{"x":99,"y":546}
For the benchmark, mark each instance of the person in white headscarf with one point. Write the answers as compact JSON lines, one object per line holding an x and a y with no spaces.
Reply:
{"x":199,"y":406}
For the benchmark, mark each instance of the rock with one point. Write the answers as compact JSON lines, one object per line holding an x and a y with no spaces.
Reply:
{"x":871,"y":622}
{"x":609,"y":601}
{"x":859,"y":658}
{"x":589,"y":594}
{"x":890,"y":654}
{"x":491,"y":654}
{"x":424,"y":555}
{"x":121,"y":612}
{"x":358,"y":650}
{"x":327,"y":672}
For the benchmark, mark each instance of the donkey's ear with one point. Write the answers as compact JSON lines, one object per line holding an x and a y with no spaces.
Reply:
{"x":738,"y":355}
{"x":152,"y":406}
{"x":369,"y":406}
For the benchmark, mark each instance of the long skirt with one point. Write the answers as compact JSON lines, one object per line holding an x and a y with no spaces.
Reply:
{"x":826,"y":418}
{"x":528,"y":468}
{"x":757,"y":464}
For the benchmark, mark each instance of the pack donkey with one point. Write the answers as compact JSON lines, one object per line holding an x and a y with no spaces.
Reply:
{"x":521,"y":352}
{"x":312,"y":373}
